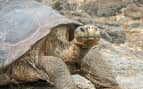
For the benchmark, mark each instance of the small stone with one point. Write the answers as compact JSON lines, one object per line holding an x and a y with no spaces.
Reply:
{"x":82,"y":83}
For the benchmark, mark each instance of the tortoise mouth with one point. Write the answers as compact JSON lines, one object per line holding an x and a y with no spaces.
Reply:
{"x":89,"y":38}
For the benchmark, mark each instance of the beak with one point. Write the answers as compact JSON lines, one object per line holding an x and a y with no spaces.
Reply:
{"x":91,"y":38}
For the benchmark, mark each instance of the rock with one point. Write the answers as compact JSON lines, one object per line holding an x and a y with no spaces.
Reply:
{"x":133,"y":11}
{"x":134,"y":36}
{"x":135,"y":25}
{"x":113,"y":32}
{"x":99,"y":7}
{"x":103,"y":8}
{"x":101,"y":66}
{"x":80,"y":16}
{"x":139,"y":2}
{"x":126,"y":63}
{"x":126,"y":2}
{"x":105,"y":12}
{"x":82,"y":83}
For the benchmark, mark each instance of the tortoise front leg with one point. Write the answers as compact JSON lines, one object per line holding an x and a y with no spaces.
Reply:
{"x":47,"y":68}
{"x":57,"y":71}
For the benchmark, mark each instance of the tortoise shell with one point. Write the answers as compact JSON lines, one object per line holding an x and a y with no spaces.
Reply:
{"x":22,"y":24}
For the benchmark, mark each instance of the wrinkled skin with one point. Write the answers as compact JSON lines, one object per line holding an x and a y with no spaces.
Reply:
{"x":54,"y":58}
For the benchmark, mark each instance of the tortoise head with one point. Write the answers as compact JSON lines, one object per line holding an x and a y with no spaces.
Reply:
{"x":87,"y":36}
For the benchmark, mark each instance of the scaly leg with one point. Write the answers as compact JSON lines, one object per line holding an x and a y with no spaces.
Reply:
{"x":47,"y":68}
{"x":58,"y":72}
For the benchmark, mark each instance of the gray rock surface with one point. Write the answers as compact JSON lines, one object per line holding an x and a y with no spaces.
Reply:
{"x":113,"y":32}
{"x":82,"y":83}
{"x":127,"y":64}
{"x":133,"y":11}
{"x":103,"y":8}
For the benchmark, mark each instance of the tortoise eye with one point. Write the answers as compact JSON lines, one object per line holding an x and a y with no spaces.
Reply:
{"x":81,"y":29}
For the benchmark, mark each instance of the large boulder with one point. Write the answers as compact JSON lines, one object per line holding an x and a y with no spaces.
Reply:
{"x":126,"y":63}
{"x":82,"y":83}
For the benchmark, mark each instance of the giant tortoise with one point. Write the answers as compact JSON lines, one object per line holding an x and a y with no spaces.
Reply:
{"x":36,"y":42}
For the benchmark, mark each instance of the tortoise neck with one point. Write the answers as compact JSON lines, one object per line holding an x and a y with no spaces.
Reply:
{"x":74,"y":53}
